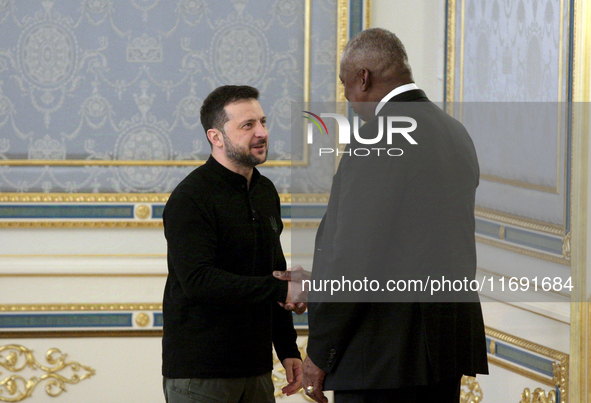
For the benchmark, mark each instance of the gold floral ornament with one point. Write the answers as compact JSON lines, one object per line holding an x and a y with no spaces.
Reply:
{"x":142,"y":211}
{"x":473,"y":393}
{"x":142,"y":319}
{"x":15,"y":387}
{"x":539,"y":396}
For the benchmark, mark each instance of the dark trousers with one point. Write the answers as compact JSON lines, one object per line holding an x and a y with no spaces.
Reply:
{"x":445,"y":392}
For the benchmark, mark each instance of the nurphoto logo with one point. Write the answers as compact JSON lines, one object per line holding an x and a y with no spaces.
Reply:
{"x":344,"y":136}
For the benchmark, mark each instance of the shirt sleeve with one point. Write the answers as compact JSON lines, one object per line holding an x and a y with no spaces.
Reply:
{"x":284,"y":334}
{"x":191,"y":237}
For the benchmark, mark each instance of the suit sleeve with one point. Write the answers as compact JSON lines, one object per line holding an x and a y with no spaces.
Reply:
{"x":352,"y":243}
{"x":191,"y":237}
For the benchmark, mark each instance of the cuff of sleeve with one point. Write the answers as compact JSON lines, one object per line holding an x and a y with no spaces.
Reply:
{"x":280,"y":287}
{"x":289,"y":354}
{"x":324,"y":361}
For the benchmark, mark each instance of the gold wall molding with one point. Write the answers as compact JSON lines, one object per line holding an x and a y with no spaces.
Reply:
{"x":80,"y":307}
{"x":342,"y":38}
{"x":522,"y":184}
{"x":580,"y":339}
{"x":523,"y":251}
{"x":122,"y":224}
{"x":90,"y":255}
{"x":84,"y":197}
{"x":367,"y":16}
{"x":560,"y":362}
{"x":141,"y":212}
{"x":307,"y":47}
{"x":305,"y":198}
{"x":72,"y":334}
{"x":538,"y":396}
{"x":526,"y":344}
{"x":15,"y":358}
{"x":518,"y":221}
{"x":301,"y":224}
{"x":81,"y":224}
{"x":50,"y":275}
{"x":133,"y":197}
{"x":117,"y":163}
{"x":451,"y":56}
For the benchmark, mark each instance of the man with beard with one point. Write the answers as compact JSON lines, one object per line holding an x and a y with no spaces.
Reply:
{"x":222,"y":224}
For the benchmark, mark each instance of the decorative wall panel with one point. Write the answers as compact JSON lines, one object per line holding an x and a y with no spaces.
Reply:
{"x":508,"y":80}
{"x":103,"y":96}
{"x":534,"y":361}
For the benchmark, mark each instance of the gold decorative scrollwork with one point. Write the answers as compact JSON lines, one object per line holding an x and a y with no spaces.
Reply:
{"x":474,"y":393}
{"x":560,"y":378}
{"x":566,"y":246}
{"x":16,"y":358}
{"x":538,"y":396}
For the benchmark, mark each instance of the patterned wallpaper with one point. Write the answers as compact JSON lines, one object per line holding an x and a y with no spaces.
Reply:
{"x":513,"y":51}
{"x":124,"y":80}
{"x":510,"y":84}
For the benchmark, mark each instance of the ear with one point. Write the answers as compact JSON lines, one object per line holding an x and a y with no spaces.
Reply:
{"x":216,"y":138}
{"x":364,"y":77}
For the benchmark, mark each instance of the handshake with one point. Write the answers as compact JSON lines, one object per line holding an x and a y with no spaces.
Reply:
{"x":297,"y":296}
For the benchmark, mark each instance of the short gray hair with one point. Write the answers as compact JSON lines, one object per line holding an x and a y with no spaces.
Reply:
{"x":378,"y":50}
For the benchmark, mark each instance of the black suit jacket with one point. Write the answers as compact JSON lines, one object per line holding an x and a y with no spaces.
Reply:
{"x":409,"y":217}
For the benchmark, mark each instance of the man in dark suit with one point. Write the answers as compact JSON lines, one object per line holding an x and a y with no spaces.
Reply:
{"x":404,"y":212}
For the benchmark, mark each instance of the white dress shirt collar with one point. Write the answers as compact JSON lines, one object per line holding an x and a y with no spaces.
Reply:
{"x":393,"y":93}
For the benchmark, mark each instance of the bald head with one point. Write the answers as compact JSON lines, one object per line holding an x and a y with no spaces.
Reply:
{"x":381,"y":53}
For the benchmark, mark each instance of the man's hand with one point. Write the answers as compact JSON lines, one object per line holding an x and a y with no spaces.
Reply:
{"x":294,"y":374}
{"x":314,"y":377}
{"x":296,"y":295}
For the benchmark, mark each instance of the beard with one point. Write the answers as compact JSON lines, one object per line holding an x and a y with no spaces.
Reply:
{"x":240,"y":156}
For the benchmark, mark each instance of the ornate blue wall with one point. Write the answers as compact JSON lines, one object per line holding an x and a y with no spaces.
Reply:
{"x":97,"y":81}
